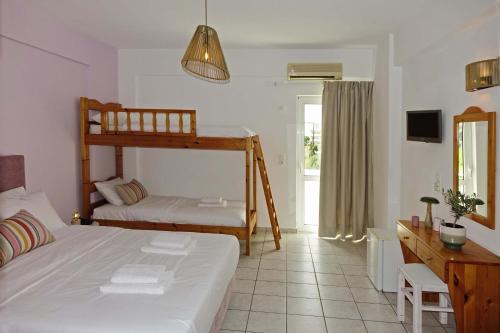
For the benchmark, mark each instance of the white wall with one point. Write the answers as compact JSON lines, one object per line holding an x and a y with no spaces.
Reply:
{"x":430,"y":29}
{"x":386,"y":135}
{"x":258,"y":97}
{"x":394,"y":135}
{"x":435,"y":79}
{"x":380,"y":133}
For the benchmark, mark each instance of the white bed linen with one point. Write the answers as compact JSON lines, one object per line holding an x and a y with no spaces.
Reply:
{"x":175,"y":210}
{"x":203,"y":131}
{"x":55,"y":288}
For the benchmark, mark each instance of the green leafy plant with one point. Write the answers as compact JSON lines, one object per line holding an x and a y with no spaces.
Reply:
{"x":478,"y":202}
{"x":460,"y":203}
{"x":312,"y":150}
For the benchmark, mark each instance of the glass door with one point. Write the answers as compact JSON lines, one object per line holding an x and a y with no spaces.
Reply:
{"x":309,"y":116}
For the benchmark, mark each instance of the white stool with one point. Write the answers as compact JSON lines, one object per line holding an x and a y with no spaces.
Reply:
{"x":421,"y":279}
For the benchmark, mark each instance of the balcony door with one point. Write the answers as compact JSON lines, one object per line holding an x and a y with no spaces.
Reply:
{"x":309,"y":116}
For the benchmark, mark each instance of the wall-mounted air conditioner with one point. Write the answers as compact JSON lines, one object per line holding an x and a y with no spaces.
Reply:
{"x":315,"y":71}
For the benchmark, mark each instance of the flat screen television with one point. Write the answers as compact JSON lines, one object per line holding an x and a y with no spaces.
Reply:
{"x":424,"y":126}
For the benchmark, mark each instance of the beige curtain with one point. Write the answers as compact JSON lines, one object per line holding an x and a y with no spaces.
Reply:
{"x":346,"y":194}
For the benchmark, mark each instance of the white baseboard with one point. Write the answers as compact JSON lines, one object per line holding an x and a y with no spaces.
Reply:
{"x":283,"y":230}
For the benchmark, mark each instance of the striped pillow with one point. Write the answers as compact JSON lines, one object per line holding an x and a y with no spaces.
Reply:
{"x":131,"y":192}
{"x":21,"y":233}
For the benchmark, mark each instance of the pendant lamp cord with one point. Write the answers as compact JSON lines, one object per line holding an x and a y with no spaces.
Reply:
{"x":206,"y":13}
{"x":206,"y":34}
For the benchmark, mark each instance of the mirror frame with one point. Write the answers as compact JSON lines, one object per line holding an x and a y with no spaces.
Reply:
{"x":471,"y":114}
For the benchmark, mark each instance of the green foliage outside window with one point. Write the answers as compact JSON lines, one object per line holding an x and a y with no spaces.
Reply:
{"x":312,"y":158}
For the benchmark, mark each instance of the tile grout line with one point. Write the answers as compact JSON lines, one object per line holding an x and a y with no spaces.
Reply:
{"x":348,"y":286}
{"x":317,"y":285}
{"x":258,"y":269}
{"x":255,"y":284}
{"x":356,"y":303}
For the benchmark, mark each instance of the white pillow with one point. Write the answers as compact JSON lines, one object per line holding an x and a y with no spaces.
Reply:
{"x":37,"y":204}
{"x":108,"y":191}
{"x":13,"y":193}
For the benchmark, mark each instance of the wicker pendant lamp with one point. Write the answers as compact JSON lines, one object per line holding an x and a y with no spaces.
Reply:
{"x":204,"y":57}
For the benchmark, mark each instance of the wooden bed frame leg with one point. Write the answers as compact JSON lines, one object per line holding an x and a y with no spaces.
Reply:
{"x":254,"y":179}
{"x":248,"y":149}
{"x":85,"y":156}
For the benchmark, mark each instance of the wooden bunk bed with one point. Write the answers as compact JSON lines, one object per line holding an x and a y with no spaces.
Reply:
{"x":168,"y":128}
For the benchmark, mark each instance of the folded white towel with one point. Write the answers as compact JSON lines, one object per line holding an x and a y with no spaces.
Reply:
{"x":170,"y":251}
{"x":221,"y":204}
{"x":211,"y":200}
{"x":164,"y":281}
{"x":171,"y":240}
{"x":138,"y":273}
{"x":133,"y":288}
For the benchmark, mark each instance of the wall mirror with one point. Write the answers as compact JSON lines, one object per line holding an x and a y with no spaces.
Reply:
{"x":474,"y":160}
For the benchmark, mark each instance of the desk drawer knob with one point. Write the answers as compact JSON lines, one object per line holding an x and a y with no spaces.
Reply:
{"x":406,"y":237}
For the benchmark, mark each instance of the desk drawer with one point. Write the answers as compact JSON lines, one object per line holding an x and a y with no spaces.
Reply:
{"x":409,"y":239}
{"x":431,"y":259}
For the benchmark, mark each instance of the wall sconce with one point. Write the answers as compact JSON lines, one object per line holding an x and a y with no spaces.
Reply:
{"x":482,"y":74}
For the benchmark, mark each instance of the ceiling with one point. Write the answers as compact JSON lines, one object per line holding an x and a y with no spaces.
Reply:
{"x":250,"y":23}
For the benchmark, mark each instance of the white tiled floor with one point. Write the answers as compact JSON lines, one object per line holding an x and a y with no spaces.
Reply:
{"x":312,"y":285}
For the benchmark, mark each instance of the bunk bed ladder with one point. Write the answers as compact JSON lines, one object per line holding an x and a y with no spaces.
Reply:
{"x":257,"y":149}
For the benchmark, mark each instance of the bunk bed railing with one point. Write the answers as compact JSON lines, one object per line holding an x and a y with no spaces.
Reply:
{"x":111,"y":118}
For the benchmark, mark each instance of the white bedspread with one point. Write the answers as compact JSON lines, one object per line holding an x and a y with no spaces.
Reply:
{"x":56,"y":288}
{"x":202,"y":131}
{"x":175,"y":210}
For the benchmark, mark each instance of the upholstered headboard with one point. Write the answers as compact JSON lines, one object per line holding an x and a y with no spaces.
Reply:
{"x":11,"y":172}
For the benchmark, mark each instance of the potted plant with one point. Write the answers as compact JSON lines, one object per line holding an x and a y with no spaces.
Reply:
{"x":428,"y":217}
{"x":452,"y":234}
{"x":478,"y":202}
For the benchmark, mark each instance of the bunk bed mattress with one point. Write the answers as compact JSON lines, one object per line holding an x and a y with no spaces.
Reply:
{"x":55,"y":288}
{"x":201,"y":131}
{"x":173,"y":209}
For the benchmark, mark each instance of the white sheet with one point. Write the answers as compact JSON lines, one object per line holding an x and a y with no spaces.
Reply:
{"x":139,"y":273}
{"x":133,"y":288}
{"x":175,"y":210}
{"x":202,"y":131}
{"x":55,"y":288}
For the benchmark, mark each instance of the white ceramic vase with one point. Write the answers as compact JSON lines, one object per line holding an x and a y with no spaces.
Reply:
{"x":452,"y":235}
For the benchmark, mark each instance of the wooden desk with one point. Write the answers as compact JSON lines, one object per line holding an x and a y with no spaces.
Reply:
{"x":472,"y":275}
